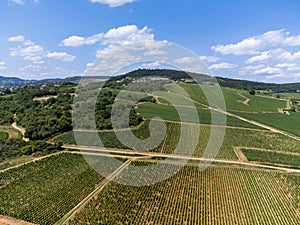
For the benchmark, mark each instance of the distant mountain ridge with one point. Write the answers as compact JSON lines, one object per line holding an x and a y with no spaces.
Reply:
{"x":172,"y":74}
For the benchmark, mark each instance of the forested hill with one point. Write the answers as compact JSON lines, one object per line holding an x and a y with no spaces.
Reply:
{"x":224,"y":82}
{"x":172,"y":74}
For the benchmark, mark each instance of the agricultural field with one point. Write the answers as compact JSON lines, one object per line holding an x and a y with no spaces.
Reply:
{"x":237,"y":100}
{"x":218,"y":195}
{"x":255,"y":179}
{"x":166,"y":112}
{"x":273,"y":157}
{"x":43,"y":191}
{"x":289,"y":123}
{"x":234,"y":137}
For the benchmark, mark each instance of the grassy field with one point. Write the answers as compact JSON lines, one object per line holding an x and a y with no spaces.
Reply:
{"x":219,"y":195}
{"x":256,"y":103}
{"x":42,"y":192}
{"x":151,"y":110}
{"x":12,"y":133}
{"x":289,"y":123}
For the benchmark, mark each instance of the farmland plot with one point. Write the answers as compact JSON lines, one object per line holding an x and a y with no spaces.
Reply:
{"x":215,"y":196}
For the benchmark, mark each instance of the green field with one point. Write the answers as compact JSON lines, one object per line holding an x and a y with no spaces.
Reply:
{"x":234,"y":137}
{"x":283,"y":122}
{"x":3,"y":135}
{"x":219,"y":195}
{"x":256,"y":103}
{"x":42,"y":192}
{"x":151,"y":110}
{"x":278,"y":158}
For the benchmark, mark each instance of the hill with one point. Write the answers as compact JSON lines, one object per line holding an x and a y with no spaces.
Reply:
{"x":172,"y":74}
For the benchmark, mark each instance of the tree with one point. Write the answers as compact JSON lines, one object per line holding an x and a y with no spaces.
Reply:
{"x":252,"y":92}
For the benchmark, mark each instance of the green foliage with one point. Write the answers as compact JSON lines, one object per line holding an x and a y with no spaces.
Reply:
{"x":272,"y":157}
{"x":43,"y":191}
{"x":193,"y":197}
{"x":10,"y":148}
{"x":252,"y":92}
{"x":277,"y":120}
{"x":3,"y":135}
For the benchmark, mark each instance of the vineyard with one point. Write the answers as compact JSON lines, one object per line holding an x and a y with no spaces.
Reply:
{"x":234,"y":137}
{"x":42,"y":192}
{"x":280,"y":121}
{"x":216,"y":196}
{"x":167,"y":112}
{"x":271,"y":157}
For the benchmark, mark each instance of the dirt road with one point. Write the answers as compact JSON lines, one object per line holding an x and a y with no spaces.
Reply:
{"x":97,"y":190}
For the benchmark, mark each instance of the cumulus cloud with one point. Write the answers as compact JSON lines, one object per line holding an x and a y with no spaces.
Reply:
{"x":42,"y":71}
{"x":209,"y":59}
{"x":268,"y":71}
{"x":31,"y":51}
{"x":62,"y":56}
{"x":2,"y":66}
{"x":22,"y":2}
{"x":253,"y":45}
{"x":19,"y":38}
{"x":227,"y":66}
{"x":271,"y":55}
{"x":113,"y":3}
{"x":187,"y":60}
{"x":73,"y":41}
{"x":274,"y":55}
{"x":115,"y":36}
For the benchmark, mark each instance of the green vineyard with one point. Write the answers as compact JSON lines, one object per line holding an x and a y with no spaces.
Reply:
{"x":219,"y":195}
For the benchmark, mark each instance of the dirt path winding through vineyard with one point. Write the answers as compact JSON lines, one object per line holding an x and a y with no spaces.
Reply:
{"x":246,"y":101}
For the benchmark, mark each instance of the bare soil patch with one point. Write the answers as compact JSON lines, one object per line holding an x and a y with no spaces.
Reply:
{"x":5,"y":220}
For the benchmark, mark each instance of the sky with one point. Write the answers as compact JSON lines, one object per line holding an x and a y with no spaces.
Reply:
{"x":255,"y":40}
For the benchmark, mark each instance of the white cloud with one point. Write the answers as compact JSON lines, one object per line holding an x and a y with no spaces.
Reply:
{"x":22,"y":2}
{"x":42,"y":72}
{"x":274,"y":55}
{"x":187,"y":60}
{"x":122,"y":46}
{"x":268,"y":71}
{"x":155,"y":52}
{"x":115,"y":36}
{"x":32,"y":52}
{"x":74,"y":41}
{"x":209,"y":59}
{"x":19,"y":38}
{"x":253,"y":45}
{"x":36,"y":53}
{"x":62,"y":56}
{"x":227,"y":66}
{"x":19,"y":2}
{"x":2,"y":66}
{"x":113,"y":3}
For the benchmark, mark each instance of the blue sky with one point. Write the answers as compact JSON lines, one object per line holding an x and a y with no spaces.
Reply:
{"x":255,"y":40}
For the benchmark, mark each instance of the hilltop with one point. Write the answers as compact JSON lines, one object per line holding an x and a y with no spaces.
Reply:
{"x":172,"y":74}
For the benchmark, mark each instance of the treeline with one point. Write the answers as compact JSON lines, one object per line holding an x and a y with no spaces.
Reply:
{"x":252,"y":85}
{"x":224,"y":82}
{"x":14,"y":147}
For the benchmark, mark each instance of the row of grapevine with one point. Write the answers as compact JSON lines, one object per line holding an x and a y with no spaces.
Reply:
{"x":43,"y":191}
{"x":217,"y":196}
